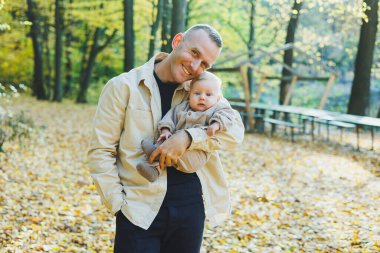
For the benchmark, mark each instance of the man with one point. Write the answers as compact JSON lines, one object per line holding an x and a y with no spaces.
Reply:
{"x":167,"y":215}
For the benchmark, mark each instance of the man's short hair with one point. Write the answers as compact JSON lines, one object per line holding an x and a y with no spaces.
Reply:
{"x":212,"y":33}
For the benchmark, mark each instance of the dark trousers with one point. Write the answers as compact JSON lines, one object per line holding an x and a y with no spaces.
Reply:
{"x":174,"y":230}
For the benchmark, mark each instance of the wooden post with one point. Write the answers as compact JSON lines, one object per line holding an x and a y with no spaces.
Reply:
{"x":259,"y":89}
{"x":261,"y":83}
{"x":247,"y":96}
{"x":289,"y":93}
{"x":327,"y":90}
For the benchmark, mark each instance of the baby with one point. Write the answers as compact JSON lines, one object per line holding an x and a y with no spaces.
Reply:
{"x":203,"y":109}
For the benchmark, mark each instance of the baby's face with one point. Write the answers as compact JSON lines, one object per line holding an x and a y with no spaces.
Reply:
{"x":203,"y":94}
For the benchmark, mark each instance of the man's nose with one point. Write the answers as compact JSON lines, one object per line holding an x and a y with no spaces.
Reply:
{"x":195,"y":65}
{"x":202,"y":96}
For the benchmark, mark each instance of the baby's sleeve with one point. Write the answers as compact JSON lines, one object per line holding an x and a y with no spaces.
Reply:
{"x":224,"y":115}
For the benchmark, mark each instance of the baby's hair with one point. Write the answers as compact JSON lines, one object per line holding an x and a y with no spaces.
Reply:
{"x":208,"y":76}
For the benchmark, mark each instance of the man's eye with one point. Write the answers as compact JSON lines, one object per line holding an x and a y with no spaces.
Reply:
{"x":194,"y":52}
{"x":204,"y":65}
{"x":197,"y":93}
{"x":208,"y":94}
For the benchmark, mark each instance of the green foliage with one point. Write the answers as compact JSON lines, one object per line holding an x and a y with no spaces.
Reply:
{"x":328,"y":30}
{"x":10,"y":91}
{"x":4,"y":27}
{"x":335,"y":38}
{"x":96,"y":89}
{"x":16,"y":56}
{"x":14,"y":127}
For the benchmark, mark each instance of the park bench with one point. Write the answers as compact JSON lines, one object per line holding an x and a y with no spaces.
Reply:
{"x":321,"y":117}
{"x":259,"y":120}
{"x":285,"y":124}
{"x":258,"y":117}
{"x":339,"y":124}
{"x":327,"y":121}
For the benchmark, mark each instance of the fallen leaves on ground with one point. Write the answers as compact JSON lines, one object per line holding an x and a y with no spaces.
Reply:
{"x":287,"y":197}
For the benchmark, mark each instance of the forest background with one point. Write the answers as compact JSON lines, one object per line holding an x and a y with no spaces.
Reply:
{"x":70,"y":48}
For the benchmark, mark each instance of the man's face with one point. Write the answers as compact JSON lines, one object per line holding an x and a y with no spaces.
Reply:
{"x":192,"y":56}
{"x":203,"y":94}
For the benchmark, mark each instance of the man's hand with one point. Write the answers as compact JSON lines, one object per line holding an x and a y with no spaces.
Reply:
{"x":172,"y":149}
{"x":211,"y":130}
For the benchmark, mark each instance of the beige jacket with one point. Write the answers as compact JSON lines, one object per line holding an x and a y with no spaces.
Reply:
{"x":128,"y":111}
{"x":183,"y":117}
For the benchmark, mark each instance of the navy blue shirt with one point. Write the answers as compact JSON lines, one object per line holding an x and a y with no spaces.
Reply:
{"x":183,"y":188}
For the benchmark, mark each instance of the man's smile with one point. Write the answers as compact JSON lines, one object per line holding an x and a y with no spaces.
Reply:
{"x":185,"y":70}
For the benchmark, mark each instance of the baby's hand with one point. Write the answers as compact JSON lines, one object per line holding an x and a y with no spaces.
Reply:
{"x":211,"y":130}
{"x":165,"y":134}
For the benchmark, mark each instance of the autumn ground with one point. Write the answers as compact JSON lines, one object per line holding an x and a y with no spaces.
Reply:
{"x":301,"y":197}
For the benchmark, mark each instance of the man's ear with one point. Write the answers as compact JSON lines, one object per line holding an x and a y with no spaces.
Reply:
{"x":177,"y":40}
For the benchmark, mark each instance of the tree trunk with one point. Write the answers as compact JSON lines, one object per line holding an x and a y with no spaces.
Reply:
{"x":378,"y":113}
{"x":58,"y":51}
{"x":48,"y":70}
{"x":68,"y":65}
{"x":129,"y":36}
{"x":84,"y":49}
{"x":288,"y":55}
{"x":250,"y":44}
{"x":154,"y":28}
{"x":165,"y":28}
{"x":178,"y":17}
{"x":359,"y":98}
{"x":87,"y":70}
{"x":188,"y":10}
{"x":38,"y":70}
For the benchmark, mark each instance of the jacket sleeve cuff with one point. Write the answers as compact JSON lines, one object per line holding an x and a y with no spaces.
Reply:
{"x":198,"y":137}
{"x":117,"y":204}
{"x":114,"y":201}
{"x":166,"y":125}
